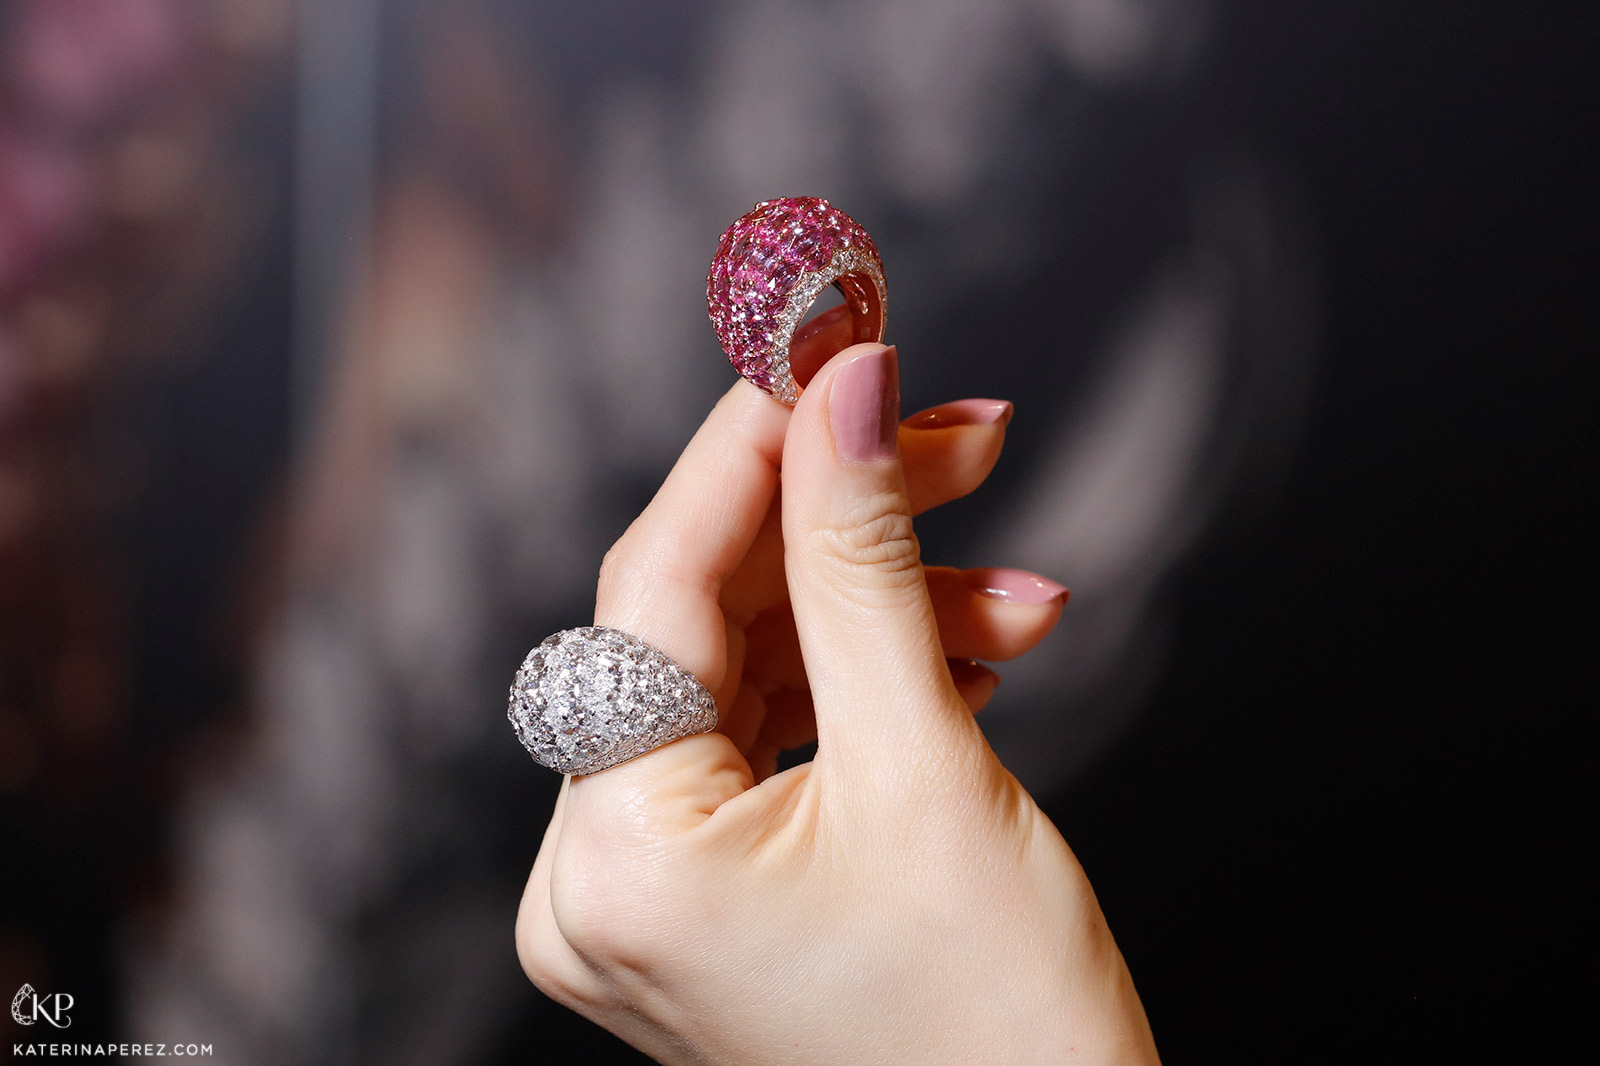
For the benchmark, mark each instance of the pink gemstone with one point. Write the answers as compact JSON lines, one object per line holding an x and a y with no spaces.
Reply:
{"x":759,"y":260}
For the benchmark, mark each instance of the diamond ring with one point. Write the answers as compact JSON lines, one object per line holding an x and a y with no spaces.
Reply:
{"x":587,"y":699}
{"x":770,"y":267}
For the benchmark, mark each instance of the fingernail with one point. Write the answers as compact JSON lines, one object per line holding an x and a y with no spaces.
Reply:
{"x":1014,"y":586}
{"x":864,"y":406}
{"x":962,"y":413}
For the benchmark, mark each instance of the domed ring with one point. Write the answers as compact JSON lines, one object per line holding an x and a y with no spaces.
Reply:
{"x":770,"y":267}
{"x":589,"y":698}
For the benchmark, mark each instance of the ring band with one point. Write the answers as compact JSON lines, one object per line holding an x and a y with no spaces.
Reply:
{"x":770,"y":267}
{"x":587,"y":699}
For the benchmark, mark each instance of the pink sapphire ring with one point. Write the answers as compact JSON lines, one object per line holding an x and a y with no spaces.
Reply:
{"x":770,"y":267}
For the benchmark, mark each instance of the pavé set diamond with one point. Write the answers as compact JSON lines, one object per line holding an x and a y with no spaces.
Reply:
{"x":587,"y":699}
{"x":770,"y":267}
{"x":590,"y":698}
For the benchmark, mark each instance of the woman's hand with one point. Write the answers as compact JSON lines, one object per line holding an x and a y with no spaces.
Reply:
{"x":900,"y":899}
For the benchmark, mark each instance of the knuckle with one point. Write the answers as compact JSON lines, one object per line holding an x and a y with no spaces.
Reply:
{"x":621,"y":568}
{"x":539,"y":964}
{"x":877,"y":540}
{"x":607,"y":918}
{"x":638,"y":564}
{"x":548,"y":961}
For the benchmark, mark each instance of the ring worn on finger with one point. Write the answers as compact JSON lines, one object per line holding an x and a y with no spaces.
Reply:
{"x":587,"y":699}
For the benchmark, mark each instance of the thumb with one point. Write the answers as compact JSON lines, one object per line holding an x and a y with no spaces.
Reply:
{"x":879,"y":680}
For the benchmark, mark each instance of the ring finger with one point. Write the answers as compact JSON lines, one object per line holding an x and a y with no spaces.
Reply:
{"x":989,"y":613}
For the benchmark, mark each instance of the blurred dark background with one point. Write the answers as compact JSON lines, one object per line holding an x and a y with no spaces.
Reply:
{"x":1342,"y":831}
{"x":334,"y":351}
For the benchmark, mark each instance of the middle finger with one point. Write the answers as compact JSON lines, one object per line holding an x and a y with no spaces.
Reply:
{"x":947,"y":452}
{"x":988,"y":613}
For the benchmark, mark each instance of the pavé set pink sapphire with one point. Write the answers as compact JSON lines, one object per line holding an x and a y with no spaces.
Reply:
{"x":770,"y":267}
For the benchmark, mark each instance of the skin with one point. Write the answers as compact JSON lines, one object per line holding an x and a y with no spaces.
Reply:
{"x":900,"y":899}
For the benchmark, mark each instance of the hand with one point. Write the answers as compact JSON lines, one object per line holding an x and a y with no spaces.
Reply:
{"x":900,"y":899}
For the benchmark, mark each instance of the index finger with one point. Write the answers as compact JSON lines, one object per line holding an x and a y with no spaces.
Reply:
{"x":661,"y":580}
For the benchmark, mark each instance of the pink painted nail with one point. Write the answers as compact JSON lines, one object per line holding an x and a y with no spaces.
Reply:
{"x":962,"y":413}
{"x":1014,"y":586}
{"x":864,"y":406}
